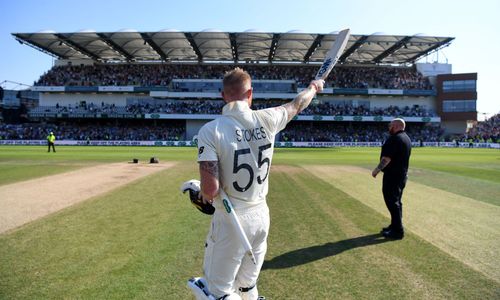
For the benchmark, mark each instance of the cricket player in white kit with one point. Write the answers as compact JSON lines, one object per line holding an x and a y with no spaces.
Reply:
{"x":235,"y":152}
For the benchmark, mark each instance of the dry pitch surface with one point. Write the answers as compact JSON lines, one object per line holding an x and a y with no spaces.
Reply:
{"x":29,"y":200}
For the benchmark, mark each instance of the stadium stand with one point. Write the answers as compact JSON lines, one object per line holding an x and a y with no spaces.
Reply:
{"x":162,"y":75}
{"x":163,"y":86}
{"x":214,"y":107}
{"x":486,"y":131}
{"x":172,"y":131}
{"x":354,"y":132}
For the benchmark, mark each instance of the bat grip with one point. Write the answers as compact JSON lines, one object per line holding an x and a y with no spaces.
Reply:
{"x":314,"y":85}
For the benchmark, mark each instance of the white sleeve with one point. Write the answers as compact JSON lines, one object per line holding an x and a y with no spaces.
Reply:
{"x":206,"y":144}
{"x":275,"y":118}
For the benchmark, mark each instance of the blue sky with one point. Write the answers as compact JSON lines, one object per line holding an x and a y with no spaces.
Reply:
{"x":474,"y":24}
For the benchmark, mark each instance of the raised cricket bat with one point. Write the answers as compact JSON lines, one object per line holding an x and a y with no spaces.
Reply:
{"x":332,"y":56}
{"x":228,"y":206}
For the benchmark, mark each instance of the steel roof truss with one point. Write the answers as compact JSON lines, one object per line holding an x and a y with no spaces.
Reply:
{"x":77,"y":47}
{"x":392,"y":49}
{"x":274,"y":44}
{"x":115,"y":46}
{"x":428,"y":51}
{"x":193,"y":44}
{"x":147,"y":38}
{"x":314,"y":46}
{"x":234,"y":46}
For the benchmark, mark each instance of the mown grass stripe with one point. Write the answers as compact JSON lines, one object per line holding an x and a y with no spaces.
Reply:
{"x":463,"y":227}
{"x":477,"y":189}
{"x":10,"y":173}
{"x":350,"y":260}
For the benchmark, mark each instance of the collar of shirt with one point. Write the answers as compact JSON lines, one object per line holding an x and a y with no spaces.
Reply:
{"x":235,"y":107}
{"x":396,"y":133}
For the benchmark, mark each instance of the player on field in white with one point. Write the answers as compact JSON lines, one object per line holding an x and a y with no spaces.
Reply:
{"x":235,"y":153}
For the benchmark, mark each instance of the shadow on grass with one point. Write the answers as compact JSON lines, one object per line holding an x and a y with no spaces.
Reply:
{"x":310,"y":254}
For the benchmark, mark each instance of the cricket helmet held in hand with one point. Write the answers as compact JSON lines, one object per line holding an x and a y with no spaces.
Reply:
{"x":193,"y":186}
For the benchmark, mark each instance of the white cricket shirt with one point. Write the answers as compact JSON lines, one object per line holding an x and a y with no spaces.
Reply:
{"x":242,"y":140}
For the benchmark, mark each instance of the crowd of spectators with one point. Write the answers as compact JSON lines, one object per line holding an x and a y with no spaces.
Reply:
{"x":304,"y":131}
{"x":214,"y":107}
{"x":162,"y":75}
{"x":176,"y":131}
{"x":484,"y":131}
{"x":345,"y":109}
{"x":355,"y":132}
{"x":81,"y":108}
{"x":82,"y":132}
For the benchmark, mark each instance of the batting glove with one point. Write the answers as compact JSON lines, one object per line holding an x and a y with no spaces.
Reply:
{"x":193,"y":186}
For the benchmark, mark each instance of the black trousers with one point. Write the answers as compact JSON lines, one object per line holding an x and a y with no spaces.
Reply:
{"x":392,"y":189}
{"x":53,"y":148}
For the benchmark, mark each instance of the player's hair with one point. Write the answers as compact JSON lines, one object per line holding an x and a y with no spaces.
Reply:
{"x":236,"y":82}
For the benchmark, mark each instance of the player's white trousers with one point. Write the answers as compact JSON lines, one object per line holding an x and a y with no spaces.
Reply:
{"x":226,"y":266}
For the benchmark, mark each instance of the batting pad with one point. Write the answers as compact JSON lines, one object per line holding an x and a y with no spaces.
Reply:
{"x":199,"y":288}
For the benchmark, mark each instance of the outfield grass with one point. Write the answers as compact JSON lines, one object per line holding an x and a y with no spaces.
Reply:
{"x":145,"y":240}
{"x":456,"y":224}
{"x":18,"y":171}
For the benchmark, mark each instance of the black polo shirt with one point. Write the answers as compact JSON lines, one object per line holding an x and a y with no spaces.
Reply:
{"x":398,"y":148}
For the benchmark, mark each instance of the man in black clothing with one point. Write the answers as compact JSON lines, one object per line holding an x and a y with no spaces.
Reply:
{"x":394,"y":161}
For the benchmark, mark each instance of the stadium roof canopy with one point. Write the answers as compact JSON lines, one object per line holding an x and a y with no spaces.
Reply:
{"x":213,"y":45}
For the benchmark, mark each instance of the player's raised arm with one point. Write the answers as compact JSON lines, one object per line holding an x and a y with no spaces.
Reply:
{"x":303,"y":99}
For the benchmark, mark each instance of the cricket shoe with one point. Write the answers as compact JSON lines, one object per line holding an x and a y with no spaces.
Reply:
{"x":385,"y":229}
{"x":395,"y":235}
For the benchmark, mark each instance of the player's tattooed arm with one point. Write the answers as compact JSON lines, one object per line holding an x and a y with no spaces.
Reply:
{"x":384,"y":161}
{"x":210,"y":167}
{"x":303,"y":99}
{"x":209,"y":177}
